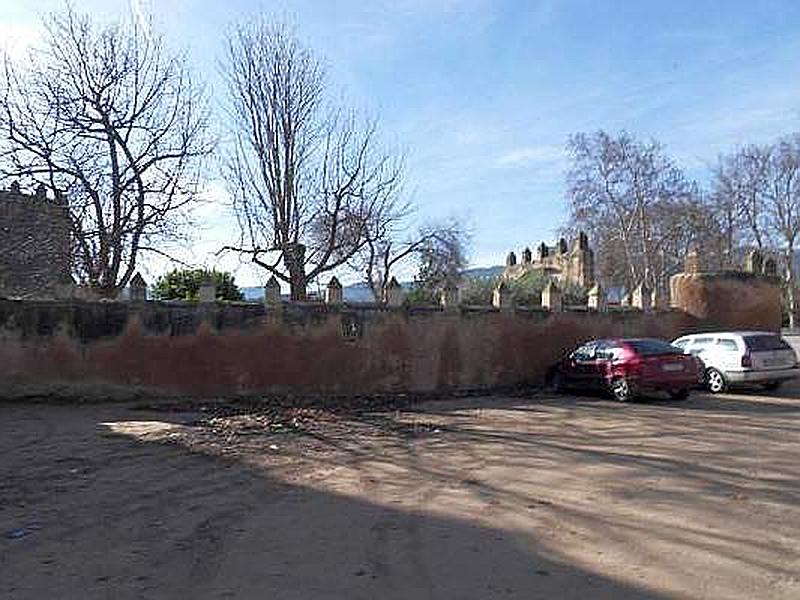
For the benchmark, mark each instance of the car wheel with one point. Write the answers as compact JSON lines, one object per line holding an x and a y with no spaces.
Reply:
{"x":773,"y":385}
{"x":621,"y":390}
{"x":679,"y":394}
{"x":715,"y":381}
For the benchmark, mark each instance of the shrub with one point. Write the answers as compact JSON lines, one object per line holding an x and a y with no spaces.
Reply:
{"x":184,"y":284}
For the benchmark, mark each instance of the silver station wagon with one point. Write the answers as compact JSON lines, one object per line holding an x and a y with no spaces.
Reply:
{"x":741,"y":357}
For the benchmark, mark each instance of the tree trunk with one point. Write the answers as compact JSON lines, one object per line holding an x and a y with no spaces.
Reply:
{"x":298,"y":285}
{"x":295,"y":264}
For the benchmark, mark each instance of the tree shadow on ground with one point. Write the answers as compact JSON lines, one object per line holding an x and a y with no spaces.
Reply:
{"x":686,"y":470}
{"x":132,"y":516}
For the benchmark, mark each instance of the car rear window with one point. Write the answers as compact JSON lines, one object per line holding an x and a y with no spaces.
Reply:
{"x":763,"y":343}
{"x":653,"y":347}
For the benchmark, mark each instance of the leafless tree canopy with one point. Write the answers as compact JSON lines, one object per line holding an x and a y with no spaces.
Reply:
{"x":637,"y":205}
{"x":107,"y":117}
{"x":443,"y":255}
{"x":783,"y":209}
{"x":644,"y":214}
{"x":435,"y":247}
{"x":761,"y":189}
{"x":307,"y":179}
{"x":738,"y":199}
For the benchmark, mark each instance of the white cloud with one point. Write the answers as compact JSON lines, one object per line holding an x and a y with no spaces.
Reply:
{"x":531,"y":155}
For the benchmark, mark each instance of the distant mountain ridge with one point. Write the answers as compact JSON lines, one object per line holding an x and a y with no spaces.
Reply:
{"x":360,"y":292}
{"x":485,"y":272}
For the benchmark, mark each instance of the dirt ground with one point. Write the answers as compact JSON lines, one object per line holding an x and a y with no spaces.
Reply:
{"x":501,"y":497}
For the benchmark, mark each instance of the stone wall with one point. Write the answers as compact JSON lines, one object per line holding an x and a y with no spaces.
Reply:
{"x":228,"y":349}
{"x":252,"y":348}
{"x":34,"y":244}
{"x":729,"y":300}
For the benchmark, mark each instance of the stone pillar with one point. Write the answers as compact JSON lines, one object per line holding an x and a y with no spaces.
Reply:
{"x":394,"y":293}
{"x":272,"y":292}
{"x":692,"y":262}
{"x":754,"y":262}
{"x":642,"y":297}
{"x":502,"y":297}
{"x":449,"y":297}
{"x":596,"y":299}
{"x":137,"y":288}
{"x":207,"y":294}
{"x":551,"y":297}
{"x":334,"y":293}
{"x":770,"y":268}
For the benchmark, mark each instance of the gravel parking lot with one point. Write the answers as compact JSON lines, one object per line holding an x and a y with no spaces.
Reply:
{"x":495,"y":497}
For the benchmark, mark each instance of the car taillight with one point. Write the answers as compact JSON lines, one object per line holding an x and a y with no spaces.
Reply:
{"x":747,"y":360}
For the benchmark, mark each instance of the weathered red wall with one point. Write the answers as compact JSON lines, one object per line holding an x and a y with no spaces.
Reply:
{"x":395,"y":351}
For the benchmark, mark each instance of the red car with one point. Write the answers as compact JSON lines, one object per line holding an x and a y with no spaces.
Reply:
{"x":624,"y":368}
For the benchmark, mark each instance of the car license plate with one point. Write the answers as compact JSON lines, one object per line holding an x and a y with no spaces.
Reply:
{"x":673,"y":367}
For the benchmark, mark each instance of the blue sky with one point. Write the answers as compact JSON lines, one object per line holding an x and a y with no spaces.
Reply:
{"x":483,"y":95}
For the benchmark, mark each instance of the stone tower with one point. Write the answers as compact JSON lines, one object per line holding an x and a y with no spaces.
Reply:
{"x":558,"y":262}
{"x":581,"y":262}
{"x":35,"y":243}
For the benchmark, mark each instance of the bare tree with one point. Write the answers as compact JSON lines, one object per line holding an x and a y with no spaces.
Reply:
{"x":389,"y":244}
{"x":441,"y":261}
{"x":307,"y":178}
{"x":635,"y":201}
{"x":681,"y":225}
{"x":107,"y":117}
{"x":759,"y":193}
{"x":782,"y":207}
{"x":738,"y":187}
